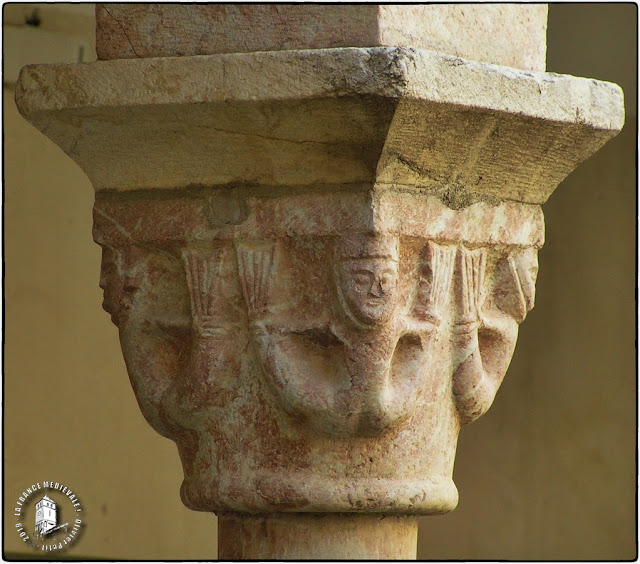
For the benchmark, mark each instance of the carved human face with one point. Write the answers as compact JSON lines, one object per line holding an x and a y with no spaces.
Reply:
{"x":527,"y":266}
{"x":147,"y":297}
{"x":142,"y":286}
{"x":369,"y":288}
{"x":515,"y":283}
{"x":119,"y":280}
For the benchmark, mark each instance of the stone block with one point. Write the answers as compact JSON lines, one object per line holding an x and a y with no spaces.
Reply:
{"x":506,"y":34}
{"x":420,"y":120}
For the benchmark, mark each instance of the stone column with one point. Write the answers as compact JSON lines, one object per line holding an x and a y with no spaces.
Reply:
{"x":319,"y":236}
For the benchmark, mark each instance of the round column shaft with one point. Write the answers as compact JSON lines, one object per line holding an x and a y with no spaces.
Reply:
{"x":316,"y":536}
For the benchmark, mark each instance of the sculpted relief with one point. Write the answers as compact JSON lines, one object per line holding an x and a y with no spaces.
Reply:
{"x":322,"y":347}
{"x":318,"y":280}
{"x":149,"y":303}
{"x":345,"y":381}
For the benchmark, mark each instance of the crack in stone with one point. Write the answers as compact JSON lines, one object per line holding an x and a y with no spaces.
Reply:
{"x":123,"y":31}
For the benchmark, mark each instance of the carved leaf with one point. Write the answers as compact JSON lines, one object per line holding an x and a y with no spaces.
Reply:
{"x":436,"y":273}
{"x":472,"y":266}
{"x":204,"y":281}
{"x":255,"y":265}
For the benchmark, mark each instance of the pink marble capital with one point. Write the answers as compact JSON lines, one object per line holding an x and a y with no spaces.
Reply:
{"x":317,"y":258}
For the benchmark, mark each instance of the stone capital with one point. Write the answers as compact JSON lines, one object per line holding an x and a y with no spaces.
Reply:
{"x":317,"y":259}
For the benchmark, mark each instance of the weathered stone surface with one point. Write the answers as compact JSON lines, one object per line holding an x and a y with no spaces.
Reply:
{"x":506,"y":34}
{"x":316,"y":537}
{"x":315,"y":352}
{"x":461,"y":130}
{"x":318,"y":260}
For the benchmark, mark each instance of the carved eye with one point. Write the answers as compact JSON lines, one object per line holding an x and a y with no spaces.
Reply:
{"x":362,"y":279}
{"x":129,"y":289}
{"x":108,"y":267}
{"x":386,"y":281}
{"x":107,"y":272}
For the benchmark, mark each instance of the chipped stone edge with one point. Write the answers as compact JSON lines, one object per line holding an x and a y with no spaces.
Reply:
{"x":293,"y":75}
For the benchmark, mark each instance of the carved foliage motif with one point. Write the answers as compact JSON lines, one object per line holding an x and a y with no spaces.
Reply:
{"x":255,"y":267}
{"x":204,"y":281}
{"x":435,"y":272}
{"x":471,"y":270}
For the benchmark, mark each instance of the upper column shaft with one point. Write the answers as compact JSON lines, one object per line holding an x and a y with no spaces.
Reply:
{"x":503,"y":34}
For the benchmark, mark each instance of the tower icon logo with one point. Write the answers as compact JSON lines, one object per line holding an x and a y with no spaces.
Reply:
{"x":39,"y":512}
{"x":47,"y":518}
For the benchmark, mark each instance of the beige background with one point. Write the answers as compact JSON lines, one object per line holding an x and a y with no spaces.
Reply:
{"x":548,"y":473}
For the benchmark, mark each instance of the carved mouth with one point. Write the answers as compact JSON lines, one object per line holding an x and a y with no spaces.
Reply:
{"x":114,"y":305}
{"x":107,"y":306}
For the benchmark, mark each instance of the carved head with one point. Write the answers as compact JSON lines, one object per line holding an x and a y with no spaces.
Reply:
{"x":141,"y":284}
{"x":516,"y":283}
{"x":526,"y":262}
{"x":120,"y":278}
{"x":367,"y":276}
{"x":146,"y":295}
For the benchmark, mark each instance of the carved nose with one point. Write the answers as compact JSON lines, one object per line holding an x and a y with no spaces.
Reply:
{"x":376,"y":289}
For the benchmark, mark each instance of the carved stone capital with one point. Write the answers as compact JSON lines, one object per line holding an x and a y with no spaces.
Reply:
{"x":327,"y":364}
{"x":318,"y":260}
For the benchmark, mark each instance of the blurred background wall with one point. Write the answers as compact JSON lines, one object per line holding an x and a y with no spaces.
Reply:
{"x":549,"y":473}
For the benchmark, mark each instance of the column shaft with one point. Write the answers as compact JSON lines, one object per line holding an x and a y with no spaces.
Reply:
{"x":328,"y":536}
